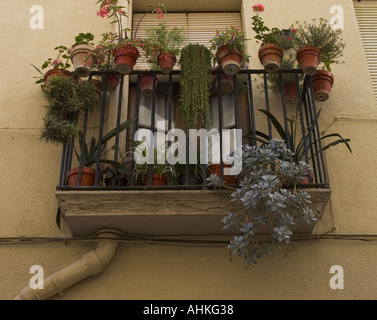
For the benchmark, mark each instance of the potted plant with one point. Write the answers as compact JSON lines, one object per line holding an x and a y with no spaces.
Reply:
{"x":215,"y":169}
{"x":160,"y":167}
{"x":267,"y":205}
{"x":116,"y":175}
{"x":66,"y":99}
{"x":196,"y":83}
{"x":125,"y":50}
{"x":273,"y":41}
{"x":316,"y":43}
{"x":226,"y":81}
{"x":59,"y":66}
{"x":289,"y":80}
{"x":103,"y":56}
{"x":230,"y":49}
{"x":322,"y":81}
{"x":81,"y":60}
{"x":165,"y":45}
{"x":190,"y":174}
{"x":87,"y":157}
{"x":299,"y":149}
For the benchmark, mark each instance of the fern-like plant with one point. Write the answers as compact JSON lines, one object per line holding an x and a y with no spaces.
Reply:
{"x":66,"y":99}
{"x":196,"y":83}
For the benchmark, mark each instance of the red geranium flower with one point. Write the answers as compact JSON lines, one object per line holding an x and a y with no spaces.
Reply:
{"x":258,"y":7}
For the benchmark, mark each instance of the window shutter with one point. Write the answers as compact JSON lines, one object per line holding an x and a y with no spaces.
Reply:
{"x":200,"y":27}
{"x":366,"y":15}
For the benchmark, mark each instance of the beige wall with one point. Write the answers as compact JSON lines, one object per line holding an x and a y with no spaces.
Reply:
{"x":30,"y":168}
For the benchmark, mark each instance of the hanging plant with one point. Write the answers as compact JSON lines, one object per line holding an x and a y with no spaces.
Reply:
{"x":196,"y":82}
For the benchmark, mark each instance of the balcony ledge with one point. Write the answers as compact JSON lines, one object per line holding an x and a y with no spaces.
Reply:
{"x":159,"y":212}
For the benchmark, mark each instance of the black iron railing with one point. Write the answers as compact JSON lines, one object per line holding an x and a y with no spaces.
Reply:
{"x":249,"y":92}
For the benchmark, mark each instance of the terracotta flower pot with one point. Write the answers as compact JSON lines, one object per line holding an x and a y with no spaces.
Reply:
{"x":270,"y":56}
{"x":112,"y":82}
{"x":79,"y":57}
{"x":87,"y":176}
{"x":97,"y":88}
{"x":157,"y":180}
{"x":226,"y":82}
{"x":308,"y":58}
{"x":290,"y":93}
{"x":166,"y":62}
{"x":229,"y":60}
{"x":216,"y":169}
{"x":56,"y":73}
{"x":146,"y":85}
{"x":305,"y":179}
{"x":125,"y":58}
{"x":322,"y":81}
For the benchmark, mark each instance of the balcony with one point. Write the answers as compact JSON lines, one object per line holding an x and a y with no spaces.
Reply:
{"x":186,"y":207}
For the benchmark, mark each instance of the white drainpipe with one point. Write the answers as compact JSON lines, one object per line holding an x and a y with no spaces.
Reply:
{"x":91,"y":264}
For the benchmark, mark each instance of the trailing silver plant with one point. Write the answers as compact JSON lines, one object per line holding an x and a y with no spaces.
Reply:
{"x":266,"y":174}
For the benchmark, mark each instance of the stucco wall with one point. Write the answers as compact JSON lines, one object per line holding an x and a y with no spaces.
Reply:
{"x":30,"y":168}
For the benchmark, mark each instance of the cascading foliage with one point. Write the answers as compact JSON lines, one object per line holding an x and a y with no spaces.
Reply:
{"x":196,"y":82}
{"x":266,"y":171}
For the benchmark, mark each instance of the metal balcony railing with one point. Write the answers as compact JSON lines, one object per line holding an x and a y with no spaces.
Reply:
{"x":256,"y":95}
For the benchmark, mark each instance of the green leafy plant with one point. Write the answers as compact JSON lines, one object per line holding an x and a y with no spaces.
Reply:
{"x":66,"y":99}
{"x":88,"y":152}
{"x":196,"y":83}
{"x":282,"y":37}
{"x":232,"y":37}
{"x":320,"y":34}
{"x":84,"y":38}
{"x":299,"y":148}
{"x":162,"y":40}
{"x":160,"y":163}
{"x":60,"y":62}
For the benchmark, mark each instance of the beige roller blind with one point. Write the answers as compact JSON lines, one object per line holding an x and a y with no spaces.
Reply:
{"x":366,"y":15}
{"x":199,"y":27}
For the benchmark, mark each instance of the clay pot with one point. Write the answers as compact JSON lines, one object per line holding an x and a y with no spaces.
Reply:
{"x":216,"y":169}
{"x":87,"y":176}
{"x":125,"y":58}
{"x":229,"y":60}
{"x":112,"y":82}
{"x":56,"y":73}
{"x":79,"y":57}
{"x":270,"y":56}
{"x":305,"y":179}
{"x":290,"y":93}
{"x":97,"y":88}
{"x":146,"y":85}
{"x":157,"y":180}
{"x":322,"y":81}
{"x":226,"y":82}
{"x":308,"y":58}
{"x":166,"y":62}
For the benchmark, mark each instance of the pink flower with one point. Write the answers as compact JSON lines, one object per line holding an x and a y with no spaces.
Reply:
{"x":294,"y":30}
{"x":258,"y":7}
{"x":289,"y":39}
{"x":160,"y":13}
{"x":283,"y":37}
